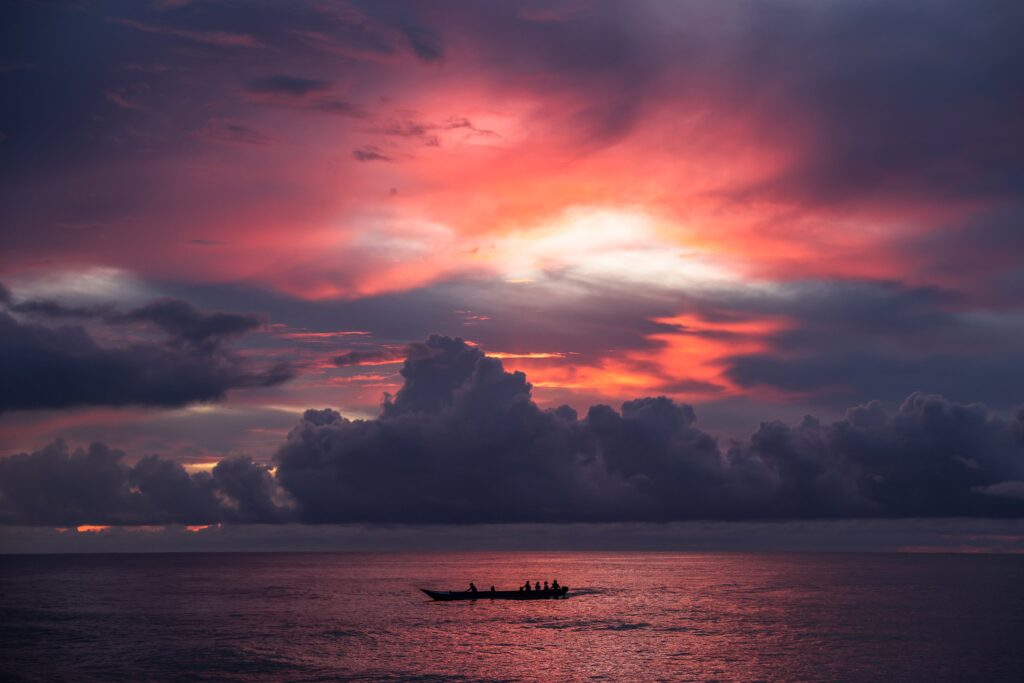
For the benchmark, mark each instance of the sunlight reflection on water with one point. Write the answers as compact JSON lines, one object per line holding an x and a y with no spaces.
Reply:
{"x":632,"y":616}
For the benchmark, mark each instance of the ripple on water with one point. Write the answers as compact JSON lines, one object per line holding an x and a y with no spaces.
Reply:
{"x":332,"y":617}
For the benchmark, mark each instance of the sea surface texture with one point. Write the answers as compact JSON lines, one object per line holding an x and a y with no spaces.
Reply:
{"x":631,"y":617}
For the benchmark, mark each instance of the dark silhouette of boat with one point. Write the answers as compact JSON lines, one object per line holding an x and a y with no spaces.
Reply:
{"x":562,"y":592}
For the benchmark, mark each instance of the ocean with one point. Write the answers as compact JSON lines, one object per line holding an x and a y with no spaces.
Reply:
{"x":631,"y":617}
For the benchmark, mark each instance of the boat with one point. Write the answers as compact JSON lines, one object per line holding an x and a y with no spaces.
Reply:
{"x":444,"y":596}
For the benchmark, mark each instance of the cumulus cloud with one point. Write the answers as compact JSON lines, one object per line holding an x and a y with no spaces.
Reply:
{"x":463,"y":442}
{"x":61,"y":487}
{"x":44,"y":366}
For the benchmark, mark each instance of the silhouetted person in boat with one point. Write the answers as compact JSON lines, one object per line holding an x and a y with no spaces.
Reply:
{"x":546,"y":586}
{"x":554,"y":585}
{"x":528,"y":586}
{"x":537,"y":587}
{"x":492,"y":589}
{"x":472,"y":588}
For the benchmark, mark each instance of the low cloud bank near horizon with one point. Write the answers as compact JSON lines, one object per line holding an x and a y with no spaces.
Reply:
{"x":463,"y":442}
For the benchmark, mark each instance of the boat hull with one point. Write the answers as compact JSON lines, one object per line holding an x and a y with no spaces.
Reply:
{"x":447,"y":596}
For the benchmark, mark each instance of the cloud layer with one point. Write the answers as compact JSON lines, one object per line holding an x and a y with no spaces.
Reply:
{"x":463,"y":442}
{"x":64,"y":366}
{"x":60,"y":487}
{"x":760,"y":209}
{"x":498,"y":117}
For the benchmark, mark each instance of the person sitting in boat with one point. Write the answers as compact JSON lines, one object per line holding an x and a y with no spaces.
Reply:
{"x":472,"y":588}
{"x":554,"y":585}
{"x":528,"y":586}
{"x":537,"y":587}
{"x":492,"y":589}
{"x":546,"y":589}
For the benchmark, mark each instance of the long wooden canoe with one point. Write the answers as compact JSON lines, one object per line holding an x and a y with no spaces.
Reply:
{"x":562,"y":592}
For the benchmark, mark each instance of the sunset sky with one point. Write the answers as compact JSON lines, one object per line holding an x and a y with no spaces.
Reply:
{"x":217,"y":215}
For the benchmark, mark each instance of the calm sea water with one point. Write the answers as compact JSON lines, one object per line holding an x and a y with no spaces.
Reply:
{"x":634,"y":617}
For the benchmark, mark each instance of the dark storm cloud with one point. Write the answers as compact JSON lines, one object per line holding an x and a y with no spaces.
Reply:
{"x":49,"y":308}
{"x":188,"y":326}
{"x":434,"y":371}
{"x":867,"y":339}
{"x":463,"y":442}
{"x":57,"y":486}
{"x":181,"y":321}
{"x":848,"y":305}
{"x":64,"y":366}
{"x":833,"y":377}
{"x":844,"y":341}
{"x":542,"y":316}
{"x":931,"y":458}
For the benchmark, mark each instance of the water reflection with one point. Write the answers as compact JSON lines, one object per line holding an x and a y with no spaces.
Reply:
{"x":632,"y":616}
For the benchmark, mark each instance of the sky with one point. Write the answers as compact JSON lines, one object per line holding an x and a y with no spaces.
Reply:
{"x":275,"y":264}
